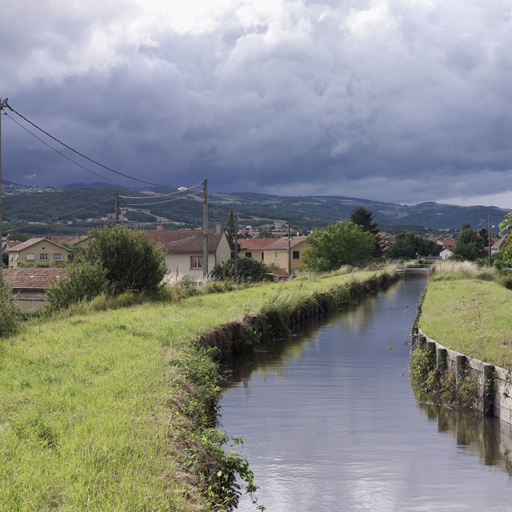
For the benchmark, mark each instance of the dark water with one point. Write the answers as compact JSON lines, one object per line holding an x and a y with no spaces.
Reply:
{"x":330,"y":423}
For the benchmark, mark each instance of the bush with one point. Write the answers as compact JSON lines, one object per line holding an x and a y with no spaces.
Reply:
{"x":9,"y":318}
{"x":85,"y":282}
{"x":130,"y":260}
{"x":249,"y":271}
{"x":506,"y":281}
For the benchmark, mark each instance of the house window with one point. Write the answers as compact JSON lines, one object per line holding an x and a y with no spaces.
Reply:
{"x":248,"y":254}
{"x":57,"y":256}
{"x":43,"y":256}
{"x":262,"y":256}
{"x":276,"y":255}
{"x":30,"y":256}
{"x":196,"y":262}
{"x":296,"y":255}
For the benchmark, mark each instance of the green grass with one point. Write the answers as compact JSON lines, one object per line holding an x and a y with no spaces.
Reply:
{"x":93,"y":415}
{"x":470,"y":315}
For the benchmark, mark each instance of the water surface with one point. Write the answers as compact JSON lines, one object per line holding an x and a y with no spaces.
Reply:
{"x":330,"y":422}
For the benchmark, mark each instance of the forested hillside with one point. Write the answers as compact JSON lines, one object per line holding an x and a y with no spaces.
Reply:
{"x":77,"y":210}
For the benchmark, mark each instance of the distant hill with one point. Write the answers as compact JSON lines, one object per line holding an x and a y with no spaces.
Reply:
{"x":7,"y":182}
{"x":95,"y":184}
{"x":77,"y":210}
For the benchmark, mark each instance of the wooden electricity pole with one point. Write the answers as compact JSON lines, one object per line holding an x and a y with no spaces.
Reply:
{"x":489,"y":239}
{"x":3,"y":104}
{"x":205,"y":229}
{"x":116,"y":202}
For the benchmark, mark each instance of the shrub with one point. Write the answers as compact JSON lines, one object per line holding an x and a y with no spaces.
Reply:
{"x":249,"y":271}
{"x":85,"y":282}
{"x":128,"y":257}
{"x":9,"y":319}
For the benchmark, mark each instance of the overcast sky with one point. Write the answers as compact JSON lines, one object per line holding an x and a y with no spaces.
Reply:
{"x":396,"y":100}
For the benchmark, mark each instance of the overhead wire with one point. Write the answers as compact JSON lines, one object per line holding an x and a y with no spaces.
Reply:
{"x":86,"y":157}
{"x":161,"y":202}
{"x":60,"y":152}
{"x":187,"y":187}
{"x":62,"y":215}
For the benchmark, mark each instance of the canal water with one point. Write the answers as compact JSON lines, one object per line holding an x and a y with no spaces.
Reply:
{"x":330,"y":422}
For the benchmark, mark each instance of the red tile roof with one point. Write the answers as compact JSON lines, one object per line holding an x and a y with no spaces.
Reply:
{"x":32,"y":241}
{"x":282,"y":243}
{"x":252,"y":244}
{"x":185,"y":241}
{"x":33,"y":278}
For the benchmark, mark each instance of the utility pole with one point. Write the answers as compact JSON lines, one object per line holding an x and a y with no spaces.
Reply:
{"x":236,"y":248}
{"x":205,"y":229}
{"x":3,"y":104}
{"x":116,"y":203}
{"x":489,"y":239}
{"x":289,"y":254}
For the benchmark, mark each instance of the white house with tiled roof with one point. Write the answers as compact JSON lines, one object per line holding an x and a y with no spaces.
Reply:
{"x":37,"y":250}
{"x":184,"y":250}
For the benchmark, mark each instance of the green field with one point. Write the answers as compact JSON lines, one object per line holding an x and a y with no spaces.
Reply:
{"x":470,"y":315}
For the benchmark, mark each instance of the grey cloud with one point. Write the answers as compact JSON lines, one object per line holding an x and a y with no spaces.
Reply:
{"x":385,"y":100}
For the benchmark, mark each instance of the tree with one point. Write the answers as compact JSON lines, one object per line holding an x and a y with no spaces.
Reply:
{"x":249,"y":271}
{"x":337,"y":245}
{"x":410,"y":246}
{"x":470,"y":245}
{"x":231,"y":231}
{"x":129,"y":258}
{"x":364,"y":218}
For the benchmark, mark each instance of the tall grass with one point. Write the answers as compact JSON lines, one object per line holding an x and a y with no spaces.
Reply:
{"x":448,"y":270}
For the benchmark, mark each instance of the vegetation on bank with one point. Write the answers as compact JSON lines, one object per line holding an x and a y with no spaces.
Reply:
{"x":467,"y":308}
{"x":114,"y":410}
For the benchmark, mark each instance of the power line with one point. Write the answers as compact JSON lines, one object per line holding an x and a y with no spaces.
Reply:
{"x":86,"y":157}
{"x":160,"y":202}
{"x":60,"y":153}
{"x":62,"y":215}
{"x":187,"y":187}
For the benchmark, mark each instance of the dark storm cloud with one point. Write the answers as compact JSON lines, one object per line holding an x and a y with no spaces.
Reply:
{"x":394,"y":100}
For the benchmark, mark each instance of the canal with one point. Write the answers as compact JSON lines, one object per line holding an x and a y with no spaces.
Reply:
{"x":330,"y":422}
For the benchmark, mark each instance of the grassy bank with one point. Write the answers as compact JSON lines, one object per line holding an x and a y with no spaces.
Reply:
{"x":112,"y":410}
{"x":467,"y":310}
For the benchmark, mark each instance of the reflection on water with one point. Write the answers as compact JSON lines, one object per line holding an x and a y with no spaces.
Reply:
{"x":330,"y":422}
{"x":488,"y":438}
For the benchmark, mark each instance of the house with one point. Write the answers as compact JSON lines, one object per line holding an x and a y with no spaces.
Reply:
{"x":287,"y":255}
{"x":445,"y":254}
{"x":37,"y":250}
{"x":29,"y":285}
{"x":184,"y":250}
{"x":499,"y":244}
{"x":254,"y":247}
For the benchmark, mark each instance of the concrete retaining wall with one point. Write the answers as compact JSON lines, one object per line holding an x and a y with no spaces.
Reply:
{"x":495,"y":383}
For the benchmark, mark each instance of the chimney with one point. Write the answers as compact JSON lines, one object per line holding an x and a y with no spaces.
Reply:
{"x":218,"y":228}
{"x":159,"y":226}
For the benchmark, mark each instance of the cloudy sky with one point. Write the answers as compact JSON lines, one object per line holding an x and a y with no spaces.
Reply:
{"x":397,"y":100}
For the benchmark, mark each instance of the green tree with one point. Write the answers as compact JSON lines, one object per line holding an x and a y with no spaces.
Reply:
{"x":231,"y":230}
{"x":337,"y":245}
{"x":410,"y":246}
{"x":470,"y":245}
{"x":364,"y":218}
{"x":129,"y":258}
{"x":249,"y":271}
